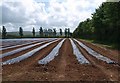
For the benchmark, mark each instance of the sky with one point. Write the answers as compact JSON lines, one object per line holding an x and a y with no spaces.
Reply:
{"x":46,"y":13}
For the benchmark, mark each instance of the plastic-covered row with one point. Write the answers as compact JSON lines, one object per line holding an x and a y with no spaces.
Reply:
{"x":52,"y":54}
{"x":26,"y":55}
{"x":19,"y":50}
{"x":94,"y":53}
{"x":78,"y":54}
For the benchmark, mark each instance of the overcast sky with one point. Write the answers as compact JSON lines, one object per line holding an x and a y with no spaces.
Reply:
{"x":46,"y":13}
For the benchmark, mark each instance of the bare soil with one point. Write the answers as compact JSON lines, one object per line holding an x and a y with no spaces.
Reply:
{"x":64,"y":67}
{"x":110,"y":53}
{"x":110,"y":70}
{"x":22,"y":52}
{"x":13,"y":43}
{"x":7,"y":50}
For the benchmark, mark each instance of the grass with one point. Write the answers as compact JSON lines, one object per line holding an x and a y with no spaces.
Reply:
{"x":104,"y":44}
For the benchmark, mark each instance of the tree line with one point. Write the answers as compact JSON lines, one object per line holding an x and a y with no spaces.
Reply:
{"x":42,"y":32}
{"x":104,"y":25}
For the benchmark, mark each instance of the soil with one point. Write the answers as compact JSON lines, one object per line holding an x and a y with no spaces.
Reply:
{"x":7,"y":50}
{"x":64,"y":67}
{"x":112,"y":54}
{"x":108,"y":69}
{"x":22,"y":52}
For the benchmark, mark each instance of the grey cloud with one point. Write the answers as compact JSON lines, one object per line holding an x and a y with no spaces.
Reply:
{"x":11,"y":16}
{"x":16,"y":14}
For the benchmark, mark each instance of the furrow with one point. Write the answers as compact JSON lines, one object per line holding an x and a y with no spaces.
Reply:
{"x":78,"y":54}
{"x":26,"y":55}
{"x":18,"y":50}
{"x":52,"y":54}
{"x":95,"y":54}
{"x":24,"y":44}
{"x":110,"y":71}
{"x":22,"y":52}
{"x":17,"y":46}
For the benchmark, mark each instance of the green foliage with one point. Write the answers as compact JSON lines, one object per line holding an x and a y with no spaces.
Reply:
{"x":33,"y":31}
{"x":67,"y":32}
{"x":105,"y":22}
{"x":84,"y":30}
{"x":21,"y":32}
{"x":60,"y":32}
{"x":50,"y":33}
{"x":41,"y":32}
{"x":54,"y":32}
{"x":104,"y":25}
{"x":46,"y":33}
{"x":4,"y":32}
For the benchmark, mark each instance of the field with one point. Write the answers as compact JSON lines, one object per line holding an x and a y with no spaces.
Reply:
{"x":57,"y":59}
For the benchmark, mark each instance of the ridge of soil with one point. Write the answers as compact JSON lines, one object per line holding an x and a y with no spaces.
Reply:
{"x":109,"y":70}
{"x":63,"y":67}
{"x":112,"y":54}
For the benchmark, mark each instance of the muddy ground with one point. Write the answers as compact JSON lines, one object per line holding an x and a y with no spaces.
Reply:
{"x":64,"y":67}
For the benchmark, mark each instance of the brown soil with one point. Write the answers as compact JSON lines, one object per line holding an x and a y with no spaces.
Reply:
{"x":110,"y":70}
{"x":14,"y":71}
{"x":8,"y":44}
{"x":112,"y":54}
{"x":14,"y":43}
{"x":64,"y":67}
{"x":7,"y":50}
{"x":21,"y":53}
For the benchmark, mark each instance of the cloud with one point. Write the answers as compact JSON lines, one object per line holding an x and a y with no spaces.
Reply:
{"x":48,"y":14}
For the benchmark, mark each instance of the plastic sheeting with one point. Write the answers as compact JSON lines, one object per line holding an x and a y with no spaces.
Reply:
{"x":78,"y":54}
{"x":52,"y":54}
{"x":24,"y":39}
{"x":20,"y":49}
{"x":17,"y":45}
{"x":17,"y":42}
{"x":95,"y":54}
{"x":26,"y":55}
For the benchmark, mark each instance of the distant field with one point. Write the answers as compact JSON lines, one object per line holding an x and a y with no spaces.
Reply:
{"x":27,"y":33}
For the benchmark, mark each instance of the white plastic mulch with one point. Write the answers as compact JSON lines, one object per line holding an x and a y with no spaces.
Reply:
{"x":52,"y":54}
{"x":94,"y":53}
{"x":26,"y":55}
{"x":78,"y":54}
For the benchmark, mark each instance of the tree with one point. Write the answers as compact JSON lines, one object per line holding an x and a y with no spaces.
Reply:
{"x":33,"y":31}
{"x":54,"y":32}
{"x":60,"y":32}
{"x":4,"y":33}
{"x":45,"y":32}
{"x":50,"y":32}
{"x":104,"y":25}
{"x":41,"y":32}
{"x":21,"y":32}
{"x":106,"y":22}
{"x":68,"y":32}
{"x":65,"y":32}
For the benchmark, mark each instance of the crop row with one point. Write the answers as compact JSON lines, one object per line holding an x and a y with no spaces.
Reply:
{"x":55,"y":52}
